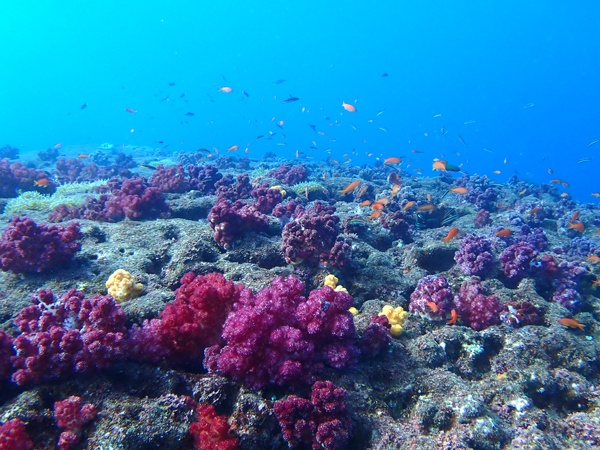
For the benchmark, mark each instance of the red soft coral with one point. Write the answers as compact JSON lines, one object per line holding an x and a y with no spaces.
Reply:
{"x":211,"y":432}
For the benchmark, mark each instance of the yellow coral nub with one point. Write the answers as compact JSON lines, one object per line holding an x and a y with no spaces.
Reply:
{"x":396,"y":317}
{"x":353,"y":310}
{"x":331,"y":281}
{"x":282,"y":190}
{"x":121,"y":286}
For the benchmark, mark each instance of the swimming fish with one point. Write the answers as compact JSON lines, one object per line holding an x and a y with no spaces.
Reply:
{"x":595,"y":141}
{"x":578,"y":226}
{"x":575,"y":216}
{"x":279,"y":82}
{"x":451,"y":235}
{"x":454,"y":316}
{"x":233,"y":148}
{"x":504,"y":233}
{"x":409,"y":205}
{"x":84,"y":105}
{"x":129,"y":110}
{"x":42,"y":183}
{"x":366,"y":203}
{"x":459,"y":190}
{"x":83,"y":156}
{"x":351,"y":187}
{"x":348,"y":107}
{"x":189,"y":114}
{"x":461,"y":140}
{"x":433,"y":306}
{"x":426,"y":208}
{"x":438,"y":165}
{"x":392,"y":160}
{"x":571,"y":323}
{"x":291,"y":99}
{"x":226,"y":89}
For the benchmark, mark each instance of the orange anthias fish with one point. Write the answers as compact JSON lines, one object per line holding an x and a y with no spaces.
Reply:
{"x":555,"y":181}
{"x":571,"y":323}
{"x":593,"y":258}
{"x":83,"y":156}
{"x":454,"y":317}
{"x":383,"y":201}
{"x":226,"y":90}
{"x":596,"y":194}
{"x":428,"y":197}
{"x":459,"y":190}
{"x":578,"y":226}
{"x":395,"y":189}
{"x":362,"y":191}
{"x":575,"y":216}
{"x":351,"y":187}
{"x":497,"y":172}
{"x":366,"y":203}
{"x":504,"y":233}
{"x":451,"y":235}
{"x":348,"y":107}
{"x":375,"y":214}
{"x":597,"y":233}
{"x":564,"y":194}
{"x":410,"y":205}
{"x":129,"y":110}
{"x":392,"y":160}
{"x":433,"y":306}
{"x":523,"y":191}
{"x":565,"y":184}
{"x":426,"y":208}
{"x":376,"y":206}
{"x":233,"y":148}
{"x":438,"y":165}
{"x":57,"y":146}
{"x":534,"y":210}
{"x":43,"y":182}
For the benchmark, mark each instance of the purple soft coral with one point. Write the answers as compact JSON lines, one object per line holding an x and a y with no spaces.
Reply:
{"x":432,"y":299}
{"x":474,"y":308}
{"x":60,"y":337}
{"x":278,"y":337}
{"x":230,"y":221}
{"x":26,"y":247}
{"x":474,"y":255}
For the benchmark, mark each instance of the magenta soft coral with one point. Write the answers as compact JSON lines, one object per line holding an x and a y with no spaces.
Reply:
{"x":322,"y":421}
{"x":27,"y":247}
{"x":13,"y":436}
{"x":191,"y":323}
{"x":61,"y":337}
{"x":475,"y":309}
{"x":279,"y":337}
{"x":72,"y":416}
{"x":230,"y":221}
{"x":211,"y":432}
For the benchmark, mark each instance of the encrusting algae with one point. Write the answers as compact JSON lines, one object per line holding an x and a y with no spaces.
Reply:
{"x":121,"y":286}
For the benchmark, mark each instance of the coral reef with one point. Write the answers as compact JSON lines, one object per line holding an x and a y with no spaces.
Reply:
{"x":122,"y":286}
{"x":475,"y":255}
{"x":26,"y":247}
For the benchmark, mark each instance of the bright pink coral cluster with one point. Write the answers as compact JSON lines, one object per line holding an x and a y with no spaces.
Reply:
{"x":72,"y":416}
{"x":27,"y":247}
{"x":60,"y":337}
{"x":211,"y":432}
{"x":281,"y":338}
{"x":322,"y":421}
{"x":432,"y":299}
{"x":191,"y":323}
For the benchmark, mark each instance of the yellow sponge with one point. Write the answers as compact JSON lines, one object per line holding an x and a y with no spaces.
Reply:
{"x":396,"y":317}
{"x":331,"y":281}
{"x":121,"y":286}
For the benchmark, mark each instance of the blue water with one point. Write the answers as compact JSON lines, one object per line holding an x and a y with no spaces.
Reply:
{"x":468,"y":61}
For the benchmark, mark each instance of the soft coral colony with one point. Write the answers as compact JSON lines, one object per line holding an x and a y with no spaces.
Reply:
{"x":248,"y":331}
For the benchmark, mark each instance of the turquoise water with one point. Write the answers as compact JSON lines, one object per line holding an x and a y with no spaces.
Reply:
{"x":468,"y":61}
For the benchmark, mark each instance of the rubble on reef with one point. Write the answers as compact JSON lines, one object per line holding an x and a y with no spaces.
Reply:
{"x":232,"y":335}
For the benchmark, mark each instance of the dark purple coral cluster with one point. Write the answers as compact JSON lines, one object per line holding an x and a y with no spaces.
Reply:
{"x":312,"y":236}
{"x":323,"y":421}
{"x":170,"y":179}
{"x":432,"y":299}
{"x":15,"y":177}
{"x":265,"y":198}
{"x":27,"y":247}
{"x":481,"y":191}
{"x":203,"y":178}
{"x":399,"y":224}
{"x":66,"y":336}
{"x":289,"y":174}
{"x":516,"y":261}
{"x":193,"y":322}
{"x":475,"y":255}
{"x":474,"y":308}
{"x":132,"y":198}
{"x":278,"y":337}
{"x":230,"y":221}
